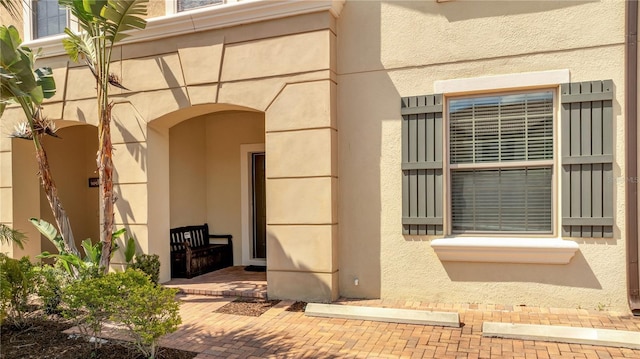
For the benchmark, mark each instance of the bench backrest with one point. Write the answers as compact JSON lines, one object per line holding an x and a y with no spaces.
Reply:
{"x":197,"y":236}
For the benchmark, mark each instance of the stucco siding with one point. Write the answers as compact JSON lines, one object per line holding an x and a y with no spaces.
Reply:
{"x":401,"y":49}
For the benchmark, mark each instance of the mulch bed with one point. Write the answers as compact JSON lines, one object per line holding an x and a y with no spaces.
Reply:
{"x":42,"y":337}
{"x":251,"y":307}
{"x":297,"y":307}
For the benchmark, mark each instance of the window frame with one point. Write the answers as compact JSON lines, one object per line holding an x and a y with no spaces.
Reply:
{"x":554,"y":163}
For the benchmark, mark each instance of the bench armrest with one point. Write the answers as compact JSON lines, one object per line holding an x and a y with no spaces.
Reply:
{"x":227,"y":236}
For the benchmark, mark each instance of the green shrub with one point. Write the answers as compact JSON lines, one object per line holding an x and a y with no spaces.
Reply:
{"x":50,"y":282}
{"x":17,"y":284}
{"x":130,"y":298}
{"x":149,"y":264}
{"x":148,"y":310}
{"x":88,"y":302}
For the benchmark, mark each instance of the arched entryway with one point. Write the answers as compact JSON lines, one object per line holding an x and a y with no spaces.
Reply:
{"x":217,"y":175}
{"x":71,"y":158}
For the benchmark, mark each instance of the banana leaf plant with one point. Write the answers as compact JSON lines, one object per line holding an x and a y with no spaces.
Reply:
{"x":22,"y":84}
{"x":103,"y":23}
{"x":73,"y":263}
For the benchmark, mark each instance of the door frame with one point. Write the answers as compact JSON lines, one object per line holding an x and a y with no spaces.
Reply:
{"x":246,"y":197}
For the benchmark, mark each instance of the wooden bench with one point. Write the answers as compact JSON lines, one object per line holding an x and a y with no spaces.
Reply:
{"x":192,"y":252}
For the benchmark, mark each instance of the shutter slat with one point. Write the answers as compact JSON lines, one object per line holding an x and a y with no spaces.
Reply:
{"x":422,"y":199}
{"x":580,"y":160}
{"x":421,"y":165}
{"x":596,"y":197}
{"x":585,"y":185}
{"x":587,"y":97}
{"x":601,"y":221}
{"x":422,"y":220}
{"x":422,"y":109}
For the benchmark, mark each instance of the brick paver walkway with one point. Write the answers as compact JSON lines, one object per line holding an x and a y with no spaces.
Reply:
{"x":282,"y":334}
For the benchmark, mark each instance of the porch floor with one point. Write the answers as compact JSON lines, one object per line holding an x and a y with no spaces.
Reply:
{"x":228,"y":282}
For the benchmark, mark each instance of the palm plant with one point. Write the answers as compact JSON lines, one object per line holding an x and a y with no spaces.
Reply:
{"x":10,"y":235}
{"x":103,"y":23}
{"x":20,"y":84}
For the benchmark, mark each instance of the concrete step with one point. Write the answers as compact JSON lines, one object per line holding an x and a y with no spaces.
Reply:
{"x":563,"y":334}
{"x":391,"y":315}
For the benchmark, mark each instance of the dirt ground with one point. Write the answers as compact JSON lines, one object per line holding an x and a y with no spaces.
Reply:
{"x":251,"y":307}
{"x":43,"y":337}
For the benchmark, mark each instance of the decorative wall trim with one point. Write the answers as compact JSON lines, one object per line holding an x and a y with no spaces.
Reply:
{"x":503,"y":82}
{"x":208,"y":18}
{"x":505,"y":250}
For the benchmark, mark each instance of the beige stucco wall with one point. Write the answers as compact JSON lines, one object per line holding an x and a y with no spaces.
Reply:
{"x":188,"y":178}
{"x":394,"y":49}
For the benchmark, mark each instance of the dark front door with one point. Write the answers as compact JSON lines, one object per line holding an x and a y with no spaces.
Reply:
{"x":259,"y":206}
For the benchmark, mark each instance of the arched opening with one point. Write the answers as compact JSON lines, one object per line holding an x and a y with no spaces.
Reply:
{"x":195,"y":155}
{"x":210,"y":178}
{"x":71,"y":158}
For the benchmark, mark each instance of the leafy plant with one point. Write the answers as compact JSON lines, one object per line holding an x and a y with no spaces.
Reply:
{"x":23,"y":84}
{"x":72,"y":263}
{"x":10,"y":235}
{"x":50,"y":283}
{"x":130,"y":250}
{"x":90,"y":303}
{"x":149,"y":264}
{"x":128,"y":298}
{"x":149,"y":311}
{"x":16,"y":285}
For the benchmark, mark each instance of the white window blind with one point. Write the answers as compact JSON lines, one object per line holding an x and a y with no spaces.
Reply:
{"x":501,"y":128}
{"x":501,"y":200}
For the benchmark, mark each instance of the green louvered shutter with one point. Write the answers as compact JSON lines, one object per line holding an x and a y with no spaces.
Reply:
{"x":587,"y":159}
{"x":422,"y":165}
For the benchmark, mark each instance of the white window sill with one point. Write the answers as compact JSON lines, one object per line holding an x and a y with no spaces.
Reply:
{"x":505,"y":250}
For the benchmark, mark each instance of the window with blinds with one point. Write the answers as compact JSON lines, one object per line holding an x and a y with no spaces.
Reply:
{"x":49,"y":18}
{"x":184,"y":5}
{"x":500,"y":162}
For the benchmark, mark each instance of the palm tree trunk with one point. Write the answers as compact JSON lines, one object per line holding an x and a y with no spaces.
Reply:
{"x":107,"y":195}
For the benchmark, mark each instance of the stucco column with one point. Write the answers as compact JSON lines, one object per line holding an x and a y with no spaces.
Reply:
{"x":302,"y":185}
{"x":20,"y":194}
{"x":141,"y":160}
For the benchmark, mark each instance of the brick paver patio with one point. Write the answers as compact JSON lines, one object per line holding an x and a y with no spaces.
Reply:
{"x":279,"y":333}
{"x":282,"y":334}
